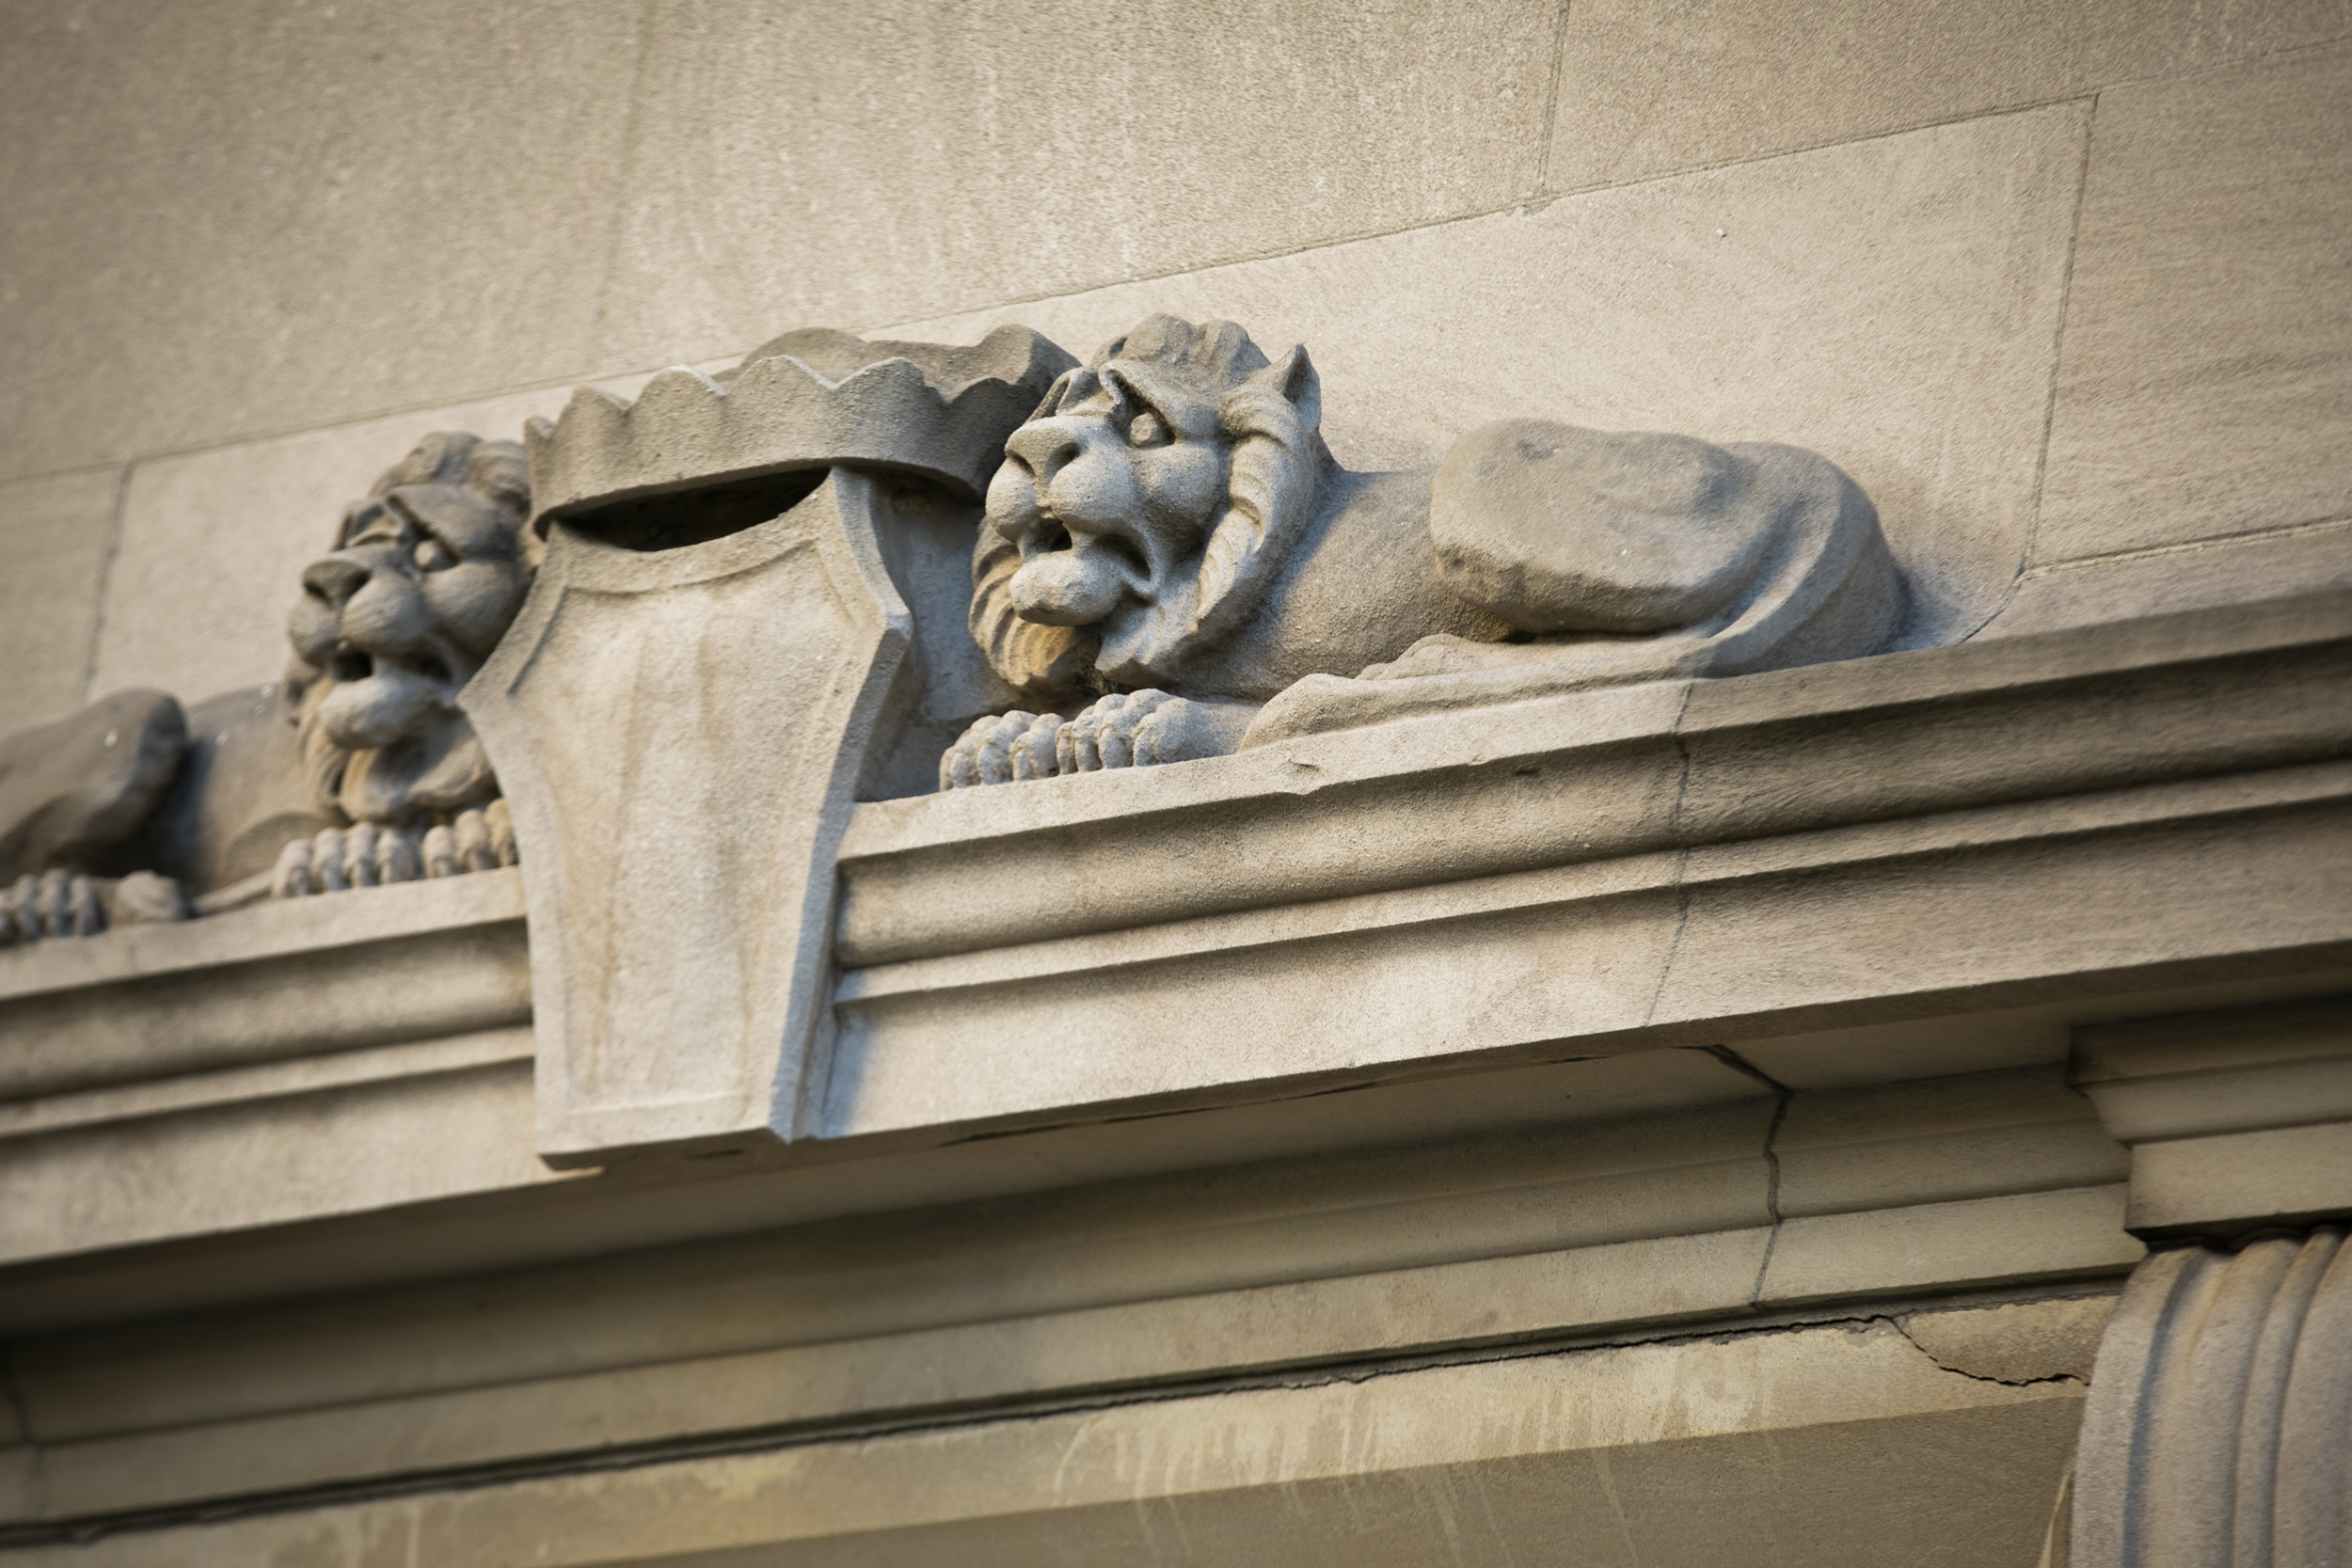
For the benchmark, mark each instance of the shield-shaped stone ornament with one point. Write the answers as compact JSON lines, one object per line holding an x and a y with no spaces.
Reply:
{"x":679,"y":735}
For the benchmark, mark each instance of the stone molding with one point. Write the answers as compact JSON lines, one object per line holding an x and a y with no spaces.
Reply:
{"x":2237,"y":1123}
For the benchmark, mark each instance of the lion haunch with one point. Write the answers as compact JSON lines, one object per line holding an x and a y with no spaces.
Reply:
{"x":1170,"y":535}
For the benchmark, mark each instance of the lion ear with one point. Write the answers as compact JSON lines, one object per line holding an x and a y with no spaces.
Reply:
{"x":1294,"y":376}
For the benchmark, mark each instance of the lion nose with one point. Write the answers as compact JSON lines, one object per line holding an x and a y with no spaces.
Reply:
{"x":1042,"y":447}
{"x":335,"y":578}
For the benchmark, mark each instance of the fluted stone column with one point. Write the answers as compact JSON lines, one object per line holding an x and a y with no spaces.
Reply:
{"x":2218,"y":1432}
{"x":2219,"y":1426}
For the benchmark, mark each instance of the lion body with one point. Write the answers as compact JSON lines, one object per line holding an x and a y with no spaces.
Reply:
{"x":1169,"y":532}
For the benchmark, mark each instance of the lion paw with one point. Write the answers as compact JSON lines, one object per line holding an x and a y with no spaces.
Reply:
{"x":1000,"y":749}
{"x":67,"y":904}
{"x":338,"y":859}
{"x":1148,"y":728}
{"x":1122,"y":730}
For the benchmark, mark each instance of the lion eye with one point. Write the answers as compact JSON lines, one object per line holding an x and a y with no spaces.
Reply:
{"x":431,"y":555}
{"x":1147,"y":431}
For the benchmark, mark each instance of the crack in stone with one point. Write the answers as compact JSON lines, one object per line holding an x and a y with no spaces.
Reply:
{"x":1898,"y":1325}
{"x":14,"y":1397}
{"x":1782,"y":1095}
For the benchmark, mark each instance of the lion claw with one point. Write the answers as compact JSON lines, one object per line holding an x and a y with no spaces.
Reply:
{"x":1122,"y":730}
{"x":1000,"y":749}
{"x":367,"y":855}
{"x":68,"y":904}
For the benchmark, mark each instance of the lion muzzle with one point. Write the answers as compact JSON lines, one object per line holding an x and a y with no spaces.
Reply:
{"x":1076,"y":587}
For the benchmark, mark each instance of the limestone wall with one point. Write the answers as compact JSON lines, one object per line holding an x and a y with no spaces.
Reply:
{"x":2062,"y":285}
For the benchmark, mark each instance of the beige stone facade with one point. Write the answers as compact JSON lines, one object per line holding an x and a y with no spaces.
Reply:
{"x":1670,"y":1119}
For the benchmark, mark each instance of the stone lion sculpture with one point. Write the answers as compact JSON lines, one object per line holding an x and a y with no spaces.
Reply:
{"x":1173,"y":566}
{"x":356,"y":770}
{"x":427,"y":575}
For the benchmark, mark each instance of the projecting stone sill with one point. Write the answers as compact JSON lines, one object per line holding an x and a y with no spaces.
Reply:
{"x":2092,"y":811}
{"x":2104,"y":809}
{"x":1603,"y":774}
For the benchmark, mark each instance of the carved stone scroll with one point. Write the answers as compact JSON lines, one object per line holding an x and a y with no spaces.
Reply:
{"x":679,"y":732}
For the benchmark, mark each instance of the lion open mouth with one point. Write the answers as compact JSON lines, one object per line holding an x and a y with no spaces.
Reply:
{"x":377,"y":698}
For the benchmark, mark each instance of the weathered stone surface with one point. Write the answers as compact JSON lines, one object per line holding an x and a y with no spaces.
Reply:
{"x":2019,"y":1343}
{"x":1938,"y":1139}
{"x":1740,"y":304}
{"x":829,"y":167}
{"x":2237,"y":1122}
{"x":1170,"y":522}
{"x":1647,"y":89}
{"x":2206,"y":382}
{"x":312,"y":215}
{"x":809,"y":400}
{"x":1812,"y":1447}
{"x":1982,"y":1242}
{"x":680,"y":733}
{"x":422,"y":577}
{"x":57,"y":534}
{"x":265,"y":984}
{"x":1617,"y":929}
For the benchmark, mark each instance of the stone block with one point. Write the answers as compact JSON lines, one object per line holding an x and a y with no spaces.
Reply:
{"x":816,"y":167}
{"x":2236,"y":1119}
{"x":2215,"y":572}
{"x":213,"y":543}
{"x":208,"y":1169}
{"x":308,"y":216}
{"x":2205,"y":381}
{"x":1647,"y":89}
{"x":1942,"y":1245}
{"x":1891,"y":305}
{"x":57,"y":534}
{"x":1975,"y":1135}
{"x":2233,"y":1182}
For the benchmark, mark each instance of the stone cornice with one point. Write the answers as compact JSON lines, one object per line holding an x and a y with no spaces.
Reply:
{"x":2087,"y":825}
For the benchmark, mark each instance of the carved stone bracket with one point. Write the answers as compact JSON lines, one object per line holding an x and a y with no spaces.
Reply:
{"x":683,"y":818}
{"x":715,"y":657}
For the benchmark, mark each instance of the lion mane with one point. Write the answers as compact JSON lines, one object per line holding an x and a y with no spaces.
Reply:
{"x":425,"y":573}
{"x":1265,"y":416}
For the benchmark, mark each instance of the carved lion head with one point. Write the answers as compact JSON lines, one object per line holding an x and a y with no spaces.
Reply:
{"x":1142,"y":509}
{"x":426,"y":573}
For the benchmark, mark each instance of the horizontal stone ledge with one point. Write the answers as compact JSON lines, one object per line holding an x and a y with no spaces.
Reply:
{"x":295,"y":978}
{"x":2000,"y":906}
{"x":1607,"y":1443}
{"x":1600,"y":776}
{"x":1682,"y":1280}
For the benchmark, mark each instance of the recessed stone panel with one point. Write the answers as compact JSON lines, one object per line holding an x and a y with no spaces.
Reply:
{"x":827,"y":165}
{"x":1891,"y":305}
{"x":237,"y":217}
{"x":57,"y":533}
{"x":1647,"y":89}
{"x":2205,"y":386}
